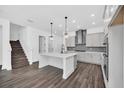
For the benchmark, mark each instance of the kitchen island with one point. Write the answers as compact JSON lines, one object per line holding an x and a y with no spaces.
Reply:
{"x":67,"y":62}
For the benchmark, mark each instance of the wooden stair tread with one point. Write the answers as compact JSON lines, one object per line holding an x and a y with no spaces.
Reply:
{"x":18,"y":57}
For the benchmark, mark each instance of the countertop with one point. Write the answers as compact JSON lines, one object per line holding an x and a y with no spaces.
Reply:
{"x":60,"y":55}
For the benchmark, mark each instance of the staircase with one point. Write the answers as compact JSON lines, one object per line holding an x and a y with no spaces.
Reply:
{"x":18,"y":56}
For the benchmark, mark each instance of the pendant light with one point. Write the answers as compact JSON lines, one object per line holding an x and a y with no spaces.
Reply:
{"x":66,"y":34}
{"x":51,"y":37}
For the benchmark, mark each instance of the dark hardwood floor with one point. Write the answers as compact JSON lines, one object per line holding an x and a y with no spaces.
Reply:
{"x":85,"y":76}
{"x":0,"y":67}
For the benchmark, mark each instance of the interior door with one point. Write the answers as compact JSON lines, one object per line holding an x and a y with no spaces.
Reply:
{"x":42,"y":44}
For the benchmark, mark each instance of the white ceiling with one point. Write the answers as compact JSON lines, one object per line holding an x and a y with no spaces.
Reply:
{"x":40,"y":16}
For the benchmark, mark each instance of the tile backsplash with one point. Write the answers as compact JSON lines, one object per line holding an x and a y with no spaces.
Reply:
{"x":89,"y":49}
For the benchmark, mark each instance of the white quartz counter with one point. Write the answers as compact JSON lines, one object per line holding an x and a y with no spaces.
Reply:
{"x":60,"y":55}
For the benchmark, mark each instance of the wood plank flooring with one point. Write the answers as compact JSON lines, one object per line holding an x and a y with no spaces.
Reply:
{"x":85,"y":76}
{"x":0,"y":67}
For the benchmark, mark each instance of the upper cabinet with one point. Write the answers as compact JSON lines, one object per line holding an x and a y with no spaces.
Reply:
{"x":80,"y":38}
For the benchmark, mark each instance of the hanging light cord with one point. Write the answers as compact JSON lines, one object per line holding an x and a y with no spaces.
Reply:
{"x":66,"y":25}
{"x":51,"y":29}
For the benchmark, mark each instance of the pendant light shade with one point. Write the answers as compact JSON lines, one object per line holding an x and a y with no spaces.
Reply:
{"x":51,"y":37}
{"x":66,"y":34}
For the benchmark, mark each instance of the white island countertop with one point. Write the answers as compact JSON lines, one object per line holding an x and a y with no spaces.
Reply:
{"x":60,"y":55}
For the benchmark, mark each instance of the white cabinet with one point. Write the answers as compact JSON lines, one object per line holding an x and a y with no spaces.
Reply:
{"x":90,"y":57}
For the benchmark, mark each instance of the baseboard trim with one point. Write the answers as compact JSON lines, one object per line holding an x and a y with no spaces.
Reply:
{"x":88,"y":62}
{"x":35,"y":62}
{"x":14,"y":40}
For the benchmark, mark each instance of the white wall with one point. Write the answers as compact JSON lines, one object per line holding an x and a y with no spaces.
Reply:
{"x":34,"y":36}
{"x":95,"y":30}
{"x":57,"y":44}
{"x":0,"y":45}
{"x":14,"y":32}
{"x":34,"y":39}
{"x":71,"y":39}
{"x":25,"y":42}
{"x":116,"y":57}
{"x":29,"y":39}
{"x":95,"y":36}
{"x":6,"y":48}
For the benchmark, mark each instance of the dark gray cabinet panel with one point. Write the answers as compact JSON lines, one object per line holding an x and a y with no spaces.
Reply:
{"x":80,"y":40}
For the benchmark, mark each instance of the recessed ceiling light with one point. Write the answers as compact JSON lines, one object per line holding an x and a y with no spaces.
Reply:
{"x":92,"y":15}
{"x":60,"y":25}
{"x":73,"y":21}
{"x":93,"y":23}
